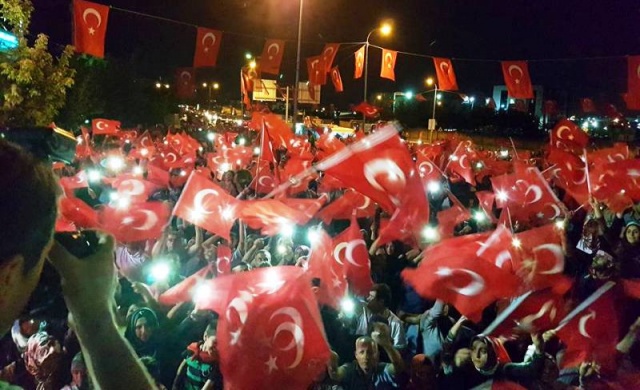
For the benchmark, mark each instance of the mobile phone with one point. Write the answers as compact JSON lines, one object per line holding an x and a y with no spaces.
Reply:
{"x":81,"y":244}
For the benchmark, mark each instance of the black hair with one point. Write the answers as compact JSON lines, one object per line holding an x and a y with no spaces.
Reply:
{"x":28,"y":205}
{"x":383,"y":292}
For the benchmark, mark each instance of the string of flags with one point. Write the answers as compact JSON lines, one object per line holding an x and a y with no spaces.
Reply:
{"x":90,"y":27}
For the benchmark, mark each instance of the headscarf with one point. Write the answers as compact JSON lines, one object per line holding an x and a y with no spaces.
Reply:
{"x":149,"y":347}
{"x":42,"y":356}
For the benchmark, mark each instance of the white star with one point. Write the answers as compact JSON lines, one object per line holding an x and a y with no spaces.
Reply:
{"x":517,"y":81}
{"x":633,"y":172}
{"x":444,"y":271}
{"x":127,"y":220}
{"x":206,"y":49}
{"x":235,"y":337}
{"x":540,"y":215}
{"x":92,"y":31}
{"x":336,"y":282}
{"x":271,"y":363}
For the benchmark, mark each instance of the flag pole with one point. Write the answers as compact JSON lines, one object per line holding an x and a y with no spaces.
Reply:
{"x":513,"y":145}
{"x":586,"y":171}
{"x":506,"y":313}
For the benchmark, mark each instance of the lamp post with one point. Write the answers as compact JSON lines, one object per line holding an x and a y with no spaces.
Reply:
{"x":385,"y":30}
{"x":432,"y":122}
{"x":297,"y":82}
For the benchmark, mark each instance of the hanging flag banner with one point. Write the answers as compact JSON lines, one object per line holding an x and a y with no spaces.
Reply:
{"x":207,"y":47}
{"x":329,"y":54}
{"x":316,"y":70}
{"x":185,"y":83}
{"x":446,"y":77}
{"x":359,"y":69}
{"x":517,"y":79}
{"x":90,"y":27}
{"x":272,"y":56}
{"x":388,"y":64}
{"x":336,"y":79}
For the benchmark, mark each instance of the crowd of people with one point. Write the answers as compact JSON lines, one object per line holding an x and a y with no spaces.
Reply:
{"x":123,"y":333}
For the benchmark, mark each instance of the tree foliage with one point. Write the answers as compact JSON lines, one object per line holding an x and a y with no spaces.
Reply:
{"x":33,"y":81}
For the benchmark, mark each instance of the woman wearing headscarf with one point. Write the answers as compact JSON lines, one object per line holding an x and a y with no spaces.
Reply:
{"x":45,"y":360}
{"x":143,"y":332}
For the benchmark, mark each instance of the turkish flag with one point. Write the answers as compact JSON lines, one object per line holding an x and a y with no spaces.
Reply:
{"x":84,"y":148}
{"x":367,"y":109}
{"x":359,"y":67}
{"x":633,"y":75}
{"x":133,"y":188}
{"x":600,"y":157}
{"x":270,"y":215}
{"x":485,"y":201}
{"x":568,"y":136}
{"x":632,"y":101}
{"x":540,"y":311}
{"x":516,"y":77}
{"x":344,"y":206}
{"x":336,"y":79}
{"x":81,"y":214}
{"x":309,"y":207}
{"x":278,"y":130}
{"x":272,"y":56}
{"x":460,"y":162}
{"x":429,"y":172}
{"x":64,"y":225}
{"x":292,"y":171}
{"x":137,"y":222}
{"x":316,"y":71}
{"x":207,"y":47}
{"x":378,"y":166}
{"x":550,"y":107}
{"x":71,"y":183}
{"x":350,"y":250}
{"x":587,"y":105}
{"x":104,"y":127}
{"x":223,"y":260}
{"x":541,"y":258}
{"x":592,"y":335}
{"x":570,"y":173}
{"x":208,"y":206}
{"x":265,"y":181}
{"x":388,"y":64}
{"x":446,"y":76}
{"x":158,"y":176}
{"x":186,"y":289}
{"x":449,"y":218}
{"x":90,"y":27}
{"x":329,"y":54}
{"x":269,"y":320}
{"x":185,"y":83}
{"x":461,"y":280}
{"x":324,"y":265}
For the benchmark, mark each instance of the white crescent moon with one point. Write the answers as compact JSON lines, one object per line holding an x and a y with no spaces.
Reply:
{"x":351,"y":246}
{"x":463,"y":158}
{"x":561,"y":129}
{"x":366,"y":203}
{"x":614,"y":157}
{"x":334,"y":75}
{"x":261,"y":178}
{"x":537,"y":191}
{"x":336,"y":252}
{"x":150,"y":220}
{"x":209,"y":35}
{"x":359,"y":59}
{"x":515,"y":67}
{"x":582,"y":324}
{"x":100,"y":125}
{"x":328,"y":51}
{"x":557,"y":253}
{"x":131,"y":187}
{"x":277,"y":46}
{"x":428,"y":164}
{"x":199,"y":198}
{"x":383,"y":165}
{"x":638,"y":71}
{"x":528,"y":320}
{"x":219,"y":260}
{"x":474,"y":288}
{"x":502,"y":258}
{"x":584,"y":175}
{"x":295,"y":328}
{"x":556,"y":210}
{"x":185,"y":75}
{"x":388,"y":59}
{"x":173,"y":159}
{"x":146,"y":141}
{"x":94,"y":12}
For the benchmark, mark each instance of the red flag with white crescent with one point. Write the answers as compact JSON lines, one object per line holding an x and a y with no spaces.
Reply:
{"x":344,"y":206}
{"x":359,"y":63}
{"x":207,"y":47}
{"x":269,"y":320}
{"x":328,"y":269}
{"x":90,"y":27}
{"x":387,"y":70}
{"x":350,"y":250}
{"x":105,"y":127}
{"x":187,"y":288}
{"x":78,"y":212}
{"x":270,"y":215}
{"x":329,"y":54}
{"x":633,"y":75}
{"x":223,"y":260}
{"x":446,"y":76}
{"x":517,"y":79}
{"x":336,"y":79}
{"x":272,"y":56}
{"x":137,"y":222}
{"x":566,"y":135}
{"x":208,"y":206}
{"x":316,"y":71}
{"x":185,"y":83}
{"x":133,"y":188}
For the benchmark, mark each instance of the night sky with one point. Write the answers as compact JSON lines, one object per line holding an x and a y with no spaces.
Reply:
{"x":476,"y":34}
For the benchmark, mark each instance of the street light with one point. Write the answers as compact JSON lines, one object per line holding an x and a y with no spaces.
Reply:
{"x":385,"y":30}
{"x":297,"y":81}
{"x":432,"y":122}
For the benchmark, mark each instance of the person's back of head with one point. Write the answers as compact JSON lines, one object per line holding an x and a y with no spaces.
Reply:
{"x":28,"y":211}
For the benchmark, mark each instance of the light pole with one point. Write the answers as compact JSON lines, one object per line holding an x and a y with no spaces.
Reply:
{"x":385,"y":29}
{"x":432,"y":122}
{"x":297,"y":82}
